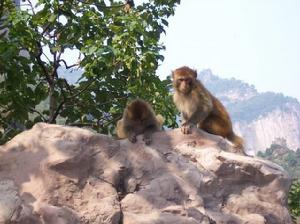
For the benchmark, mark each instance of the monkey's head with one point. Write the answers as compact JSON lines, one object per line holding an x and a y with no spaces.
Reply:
{"x":184,"y":79}
{"x":138,"y":110}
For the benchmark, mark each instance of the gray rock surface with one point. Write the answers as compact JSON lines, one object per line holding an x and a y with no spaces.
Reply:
{"x":64,"y":175}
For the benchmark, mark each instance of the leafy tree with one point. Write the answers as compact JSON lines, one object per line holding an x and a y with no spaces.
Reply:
{"x":294,"y":200}
{"x":289,"y":161}
{"x":118,"y":52}
{"x":260,"y":154}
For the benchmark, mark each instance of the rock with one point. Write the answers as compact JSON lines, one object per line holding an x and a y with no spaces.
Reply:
{"x":9,"y":200}
{"x":278,"y":123}
{"x":67,"y":175}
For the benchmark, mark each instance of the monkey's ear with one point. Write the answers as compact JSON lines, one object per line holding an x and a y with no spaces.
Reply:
{"x":195,"y":73}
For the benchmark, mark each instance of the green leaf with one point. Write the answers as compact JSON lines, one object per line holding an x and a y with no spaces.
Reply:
{"x":118,"y":55}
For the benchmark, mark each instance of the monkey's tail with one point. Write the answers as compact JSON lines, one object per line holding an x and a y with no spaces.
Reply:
{"x":238,"y":143}
{"x":160,"y":119}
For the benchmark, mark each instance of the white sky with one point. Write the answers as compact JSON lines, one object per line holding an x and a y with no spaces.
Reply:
{"x":257,"y":41}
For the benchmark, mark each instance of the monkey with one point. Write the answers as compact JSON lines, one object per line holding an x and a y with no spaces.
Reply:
{"x":200,"y":108}
{"x":139,"y":118}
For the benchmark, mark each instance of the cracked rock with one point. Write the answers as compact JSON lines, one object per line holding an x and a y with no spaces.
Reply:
{"x":66,"y":175}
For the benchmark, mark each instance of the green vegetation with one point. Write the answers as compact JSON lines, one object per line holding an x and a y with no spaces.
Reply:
{"x":118,"y":50}
{"x":290,"y":160}
{"x":294,"y":200}
{"x":280,"y":154}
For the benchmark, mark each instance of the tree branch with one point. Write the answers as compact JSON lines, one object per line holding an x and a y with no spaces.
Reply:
{"x":68,"y":66}
{"x":84,"y":125}
{"x":41,"y":63}
{"x":31,"y":6}
{"x":57,"y":111}
{"x":36,"y":111}
{"x":82,"y":90}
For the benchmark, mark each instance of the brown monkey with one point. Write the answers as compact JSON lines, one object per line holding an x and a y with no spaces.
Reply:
{"x":199,"y":107}
{"x":139,"y":118}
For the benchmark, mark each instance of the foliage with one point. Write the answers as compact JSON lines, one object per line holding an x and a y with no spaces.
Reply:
{"x":294,"y":200}
{"x":279,"y":153}
{"x":118,"y":53}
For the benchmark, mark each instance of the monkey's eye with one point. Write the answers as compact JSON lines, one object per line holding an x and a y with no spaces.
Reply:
{"x":186,"y":80}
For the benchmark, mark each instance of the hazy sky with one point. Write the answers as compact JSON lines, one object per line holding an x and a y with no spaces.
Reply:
{"x":257,"y":41}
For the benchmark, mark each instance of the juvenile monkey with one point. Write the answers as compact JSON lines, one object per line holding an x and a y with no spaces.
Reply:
{"x":139,"y":118}
{"x":199,"y":107}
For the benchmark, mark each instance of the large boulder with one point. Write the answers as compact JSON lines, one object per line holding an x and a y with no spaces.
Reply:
{"x":64,"y":175}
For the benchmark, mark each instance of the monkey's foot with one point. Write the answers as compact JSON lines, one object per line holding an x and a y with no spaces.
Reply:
{"x":186,"y":129}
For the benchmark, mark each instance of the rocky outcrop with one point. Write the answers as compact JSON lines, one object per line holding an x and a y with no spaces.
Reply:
{"x":261,"y":132}
{"x":64,"y":175}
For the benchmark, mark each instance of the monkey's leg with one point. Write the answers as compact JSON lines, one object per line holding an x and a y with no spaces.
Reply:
{"x":147,"y":137}
{"x":186,"y":127}
{"x":189,"y":122}
{"x":219,"y":126}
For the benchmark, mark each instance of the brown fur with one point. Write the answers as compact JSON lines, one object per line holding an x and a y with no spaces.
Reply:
{"x":139,"y":118}
{"x":199,"y":107}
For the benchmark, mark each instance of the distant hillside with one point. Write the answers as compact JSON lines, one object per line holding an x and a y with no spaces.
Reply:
{"x":279,"y":153}
{"x":228,"y":90}
{"x":259,"y":117}
{"x":260,"y":105}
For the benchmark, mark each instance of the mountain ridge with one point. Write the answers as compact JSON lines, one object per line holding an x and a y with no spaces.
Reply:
{"x":260,"y":117}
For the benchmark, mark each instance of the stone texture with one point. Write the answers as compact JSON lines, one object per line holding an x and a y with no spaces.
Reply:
{"x":65,"y":175}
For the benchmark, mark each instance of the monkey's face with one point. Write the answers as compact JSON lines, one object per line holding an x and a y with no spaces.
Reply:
{"x":183,"y":82}
{"x":138,"y":112}
{"x":184,"y":79}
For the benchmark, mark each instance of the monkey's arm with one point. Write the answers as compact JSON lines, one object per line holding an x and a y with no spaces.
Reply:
{"x":147,"y":137}
{"x":130,"y":133}
{"x":196,"y":118}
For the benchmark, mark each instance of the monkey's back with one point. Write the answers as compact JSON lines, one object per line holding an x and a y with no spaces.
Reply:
{"x":218,"y":121}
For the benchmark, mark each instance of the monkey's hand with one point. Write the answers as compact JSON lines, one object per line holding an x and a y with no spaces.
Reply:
{"x":147,"y":139}
{"x":186,"y":128}
{"x":132,"y":138}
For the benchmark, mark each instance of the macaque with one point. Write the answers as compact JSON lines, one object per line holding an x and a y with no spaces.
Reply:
{"x":139,"y":118}
{"x":200,"y":108}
